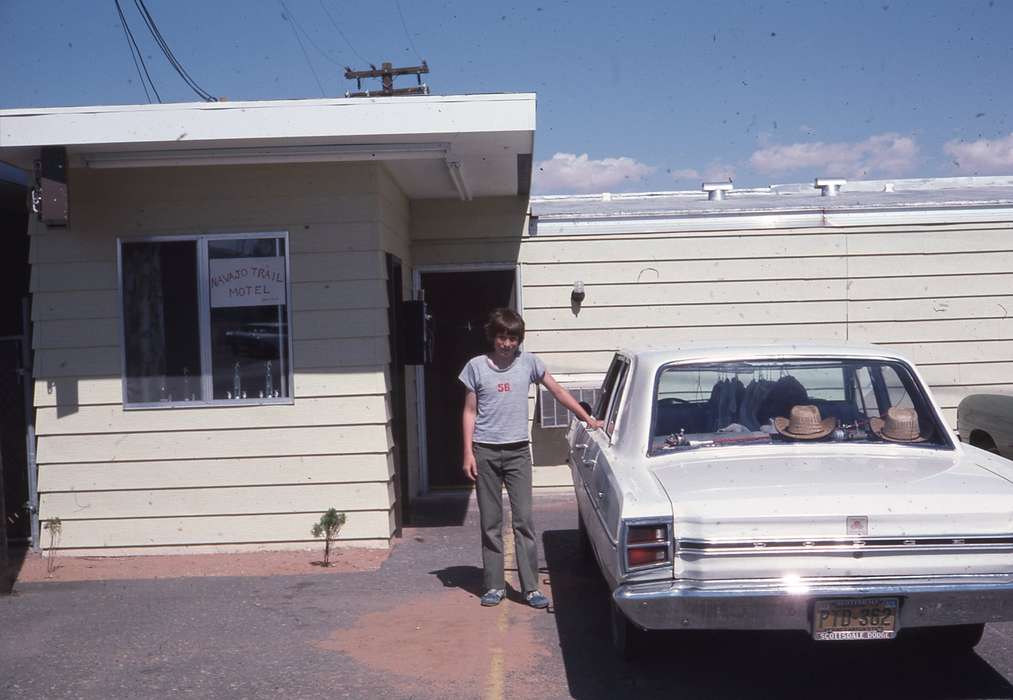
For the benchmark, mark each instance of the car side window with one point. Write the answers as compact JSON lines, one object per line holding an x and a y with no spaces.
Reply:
{"x":617,"y":396}
{"x":608,"y":388}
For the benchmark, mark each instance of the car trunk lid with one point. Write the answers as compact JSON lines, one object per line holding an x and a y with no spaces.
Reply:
{"x":792,"y":494}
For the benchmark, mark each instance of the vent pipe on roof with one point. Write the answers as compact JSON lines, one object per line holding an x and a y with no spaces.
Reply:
{"x":716,"y":190}
{"x":830,"y":186}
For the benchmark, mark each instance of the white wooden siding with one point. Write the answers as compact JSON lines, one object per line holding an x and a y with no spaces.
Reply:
{"x":941,"y":294}
{"x":268,"y":531}
{"x":219,"y":477}
{"x":246,"y":471}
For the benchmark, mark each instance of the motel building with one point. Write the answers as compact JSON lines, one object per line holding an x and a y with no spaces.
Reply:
{"x":240,"y":314}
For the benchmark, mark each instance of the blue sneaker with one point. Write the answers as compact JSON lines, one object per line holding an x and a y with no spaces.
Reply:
{"x":493,"y":596}
{"x":536,"y":600}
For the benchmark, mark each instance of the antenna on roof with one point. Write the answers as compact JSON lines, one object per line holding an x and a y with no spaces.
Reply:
{"x":386,"y":73}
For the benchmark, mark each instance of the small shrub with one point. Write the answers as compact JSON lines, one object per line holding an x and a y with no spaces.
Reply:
{"x":328,"y":527}
{"x":55,"y":527}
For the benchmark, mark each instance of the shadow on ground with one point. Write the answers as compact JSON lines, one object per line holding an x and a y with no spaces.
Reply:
{"x":441,"y":508}
{"x":738,"y":664}
{"x":9,"y":573}
{"x":467,"y":578}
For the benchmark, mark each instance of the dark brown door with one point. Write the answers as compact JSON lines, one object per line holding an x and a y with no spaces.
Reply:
{"x":459,"y":303}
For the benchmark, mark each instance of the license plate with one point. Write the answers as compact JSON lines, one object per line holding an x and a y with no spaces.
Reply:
{"x":855,"y":618}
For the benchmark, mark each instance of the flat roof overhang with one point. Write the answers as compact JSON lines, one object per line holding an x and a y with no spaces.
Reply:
{"x":435,"y":147}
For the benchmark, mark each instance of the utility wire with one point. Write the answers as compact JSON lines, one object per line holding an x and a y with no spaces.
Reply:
{"x":169,"y":55}
{"x":309,"y":38}
{"x":397,"y":4}
{"x":135,"y":53}
{"x":133,"y":56}
{"x":341,"y":33}
{"x":291,"y":20}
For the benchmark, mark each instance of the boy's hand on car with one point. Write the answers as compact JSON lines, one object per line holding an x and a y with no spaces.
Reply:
{"x":593,"y":423}
{"x":470,"y":467}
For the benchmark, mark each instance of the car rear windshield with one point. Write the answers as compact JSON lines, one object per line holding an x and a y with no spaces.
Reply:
{"x":791,"y":401}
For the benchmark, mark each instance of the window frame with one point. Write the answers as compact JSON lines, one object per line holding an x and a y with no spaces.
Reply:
{"x":619,"y":390}
{"x":608,"y":386}
{"x":204,"y":321}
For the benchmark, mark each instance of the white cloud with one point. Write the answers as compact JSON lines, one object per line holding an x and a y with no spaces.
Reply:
{"x":568,"y":172}
{"x":882,"y":154}
{"x":982,"y":156}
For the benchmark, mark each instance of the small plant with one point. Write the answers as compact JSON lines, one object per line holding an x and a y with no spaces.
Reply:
{"x":55,"y":527}
{"x":329,"y":527}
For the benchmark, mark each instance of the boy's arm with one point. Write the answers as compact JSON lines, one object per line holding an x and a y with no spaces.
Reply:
{"x":468,"y":423}
{"x":563,"y":396}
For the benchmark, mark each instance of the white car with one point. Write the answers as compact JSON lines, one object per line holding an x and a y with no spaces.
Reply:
{"x":986,"y":421}
{"x":790,"y":487}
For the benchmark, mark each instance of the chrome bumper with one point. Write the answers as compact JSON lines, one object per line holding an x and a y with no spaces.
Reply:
{"x":783,"y":605}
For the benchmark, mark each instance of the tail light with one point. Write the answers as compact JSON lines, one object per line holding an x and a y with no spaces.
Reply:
{"x":647,"y":544}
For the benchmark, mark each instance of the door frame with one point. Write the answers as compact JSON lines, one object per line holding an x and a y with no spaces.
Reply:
{"x":420,"y":378}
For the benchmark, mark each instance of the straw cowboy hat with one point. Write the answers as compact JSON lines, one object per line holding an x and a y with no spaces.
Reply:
{"x":899,"y":425}
{"x":805,"y":424}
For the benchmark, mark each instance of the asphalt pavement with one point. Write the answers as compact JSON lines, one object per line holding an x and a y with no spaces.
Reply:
{"x":414,"y":629}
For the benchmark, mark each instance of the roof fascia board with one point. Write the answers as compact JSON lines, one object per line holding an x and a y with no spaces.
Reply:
{"x":265,"y":104}
{"x":236,"y":122}
{"x":558,"y":225}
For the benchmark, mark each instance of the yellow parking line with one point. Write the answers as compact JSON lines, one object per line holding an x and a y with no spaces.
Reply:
{"x":497,"y":676}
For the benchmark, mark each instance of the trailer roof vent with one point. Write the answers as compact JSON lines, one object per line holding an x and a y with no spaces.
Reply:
{"x":830,"y":186}
{"x":716,"y":190}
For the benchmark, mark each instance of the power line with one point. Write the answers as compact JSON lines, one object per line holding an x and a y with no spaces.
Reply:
{"x":169,"y":55}
{"x":341,"y":33}
{"x":288,"y":16}
{"x":309,"y":38}
{"x":132,"y":45}
{"x":397,"y":4}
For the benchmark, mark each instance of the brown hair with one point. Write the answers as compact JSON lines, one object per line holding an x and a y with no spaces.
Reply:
{"x":504,"y":322}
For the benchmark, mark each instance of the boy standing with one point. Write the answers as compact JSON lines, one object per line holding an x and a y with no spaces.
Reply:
{"x":496,"y":450}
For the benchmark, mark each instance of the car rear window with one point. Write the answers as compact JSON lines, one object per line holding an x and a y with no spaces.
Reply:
{"x":797,"y":401}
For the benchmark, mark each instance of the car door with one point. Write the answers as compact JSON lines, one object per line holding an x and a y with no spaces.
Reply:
{"x":584,"y":451}
{"x":602,"y":489}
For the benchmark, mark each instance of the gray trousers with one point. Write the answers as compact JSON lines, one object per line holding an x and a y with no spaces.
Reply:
{"x":510,"y":465}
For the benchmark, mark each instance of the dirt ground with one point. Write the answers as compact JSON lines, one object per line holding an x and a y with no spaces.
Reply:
{"x":36,"y":568}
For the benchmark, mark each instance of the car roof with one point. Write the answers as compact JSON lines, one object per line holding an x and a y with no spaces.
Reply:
{"x":732,"y":350}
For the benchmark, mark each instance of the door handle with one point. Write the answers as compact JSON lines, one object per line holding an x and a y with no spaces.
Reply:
{"x":588,"y":462}
{"x":579,"y":445}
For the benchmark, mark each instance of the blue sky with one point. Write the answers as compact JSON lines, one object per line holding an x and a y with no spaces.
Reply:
{"x":631,"y":95}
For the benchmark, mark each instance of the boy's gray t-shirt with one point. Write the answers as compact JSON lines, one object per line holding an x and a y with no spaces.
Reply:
{"x":502,"y":396}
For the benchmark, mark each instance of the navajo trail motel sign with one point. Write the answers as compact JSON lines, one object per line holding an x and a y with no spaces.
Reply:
{"x":247,"y":281}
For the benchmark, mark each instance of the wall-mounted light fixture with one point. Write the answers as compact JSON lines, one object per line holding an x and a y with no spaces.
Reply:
{"x":577,"y":295}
